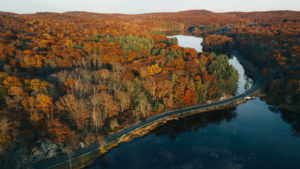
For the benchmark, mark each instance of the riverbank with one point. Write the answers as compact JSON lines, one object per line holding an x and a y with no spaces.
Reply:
{"x":85,"y":156}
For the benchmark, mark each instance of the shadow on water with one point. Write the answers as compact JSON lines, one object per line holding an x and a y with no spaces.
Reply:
{"x":289,"y":117}
{"x":251,"y":135}
{"x":293,"y":119}
{"x":192,"y":123}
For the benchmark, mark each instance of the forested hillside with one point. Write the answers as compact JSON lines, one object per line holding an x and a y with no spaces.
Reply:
{"x":268,"y":39}
{"x":83,"y":75}
{"x":68,"y":79}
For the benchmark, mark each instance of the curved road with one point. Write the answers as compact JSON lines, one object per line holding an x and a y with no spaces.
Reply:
{"x":63,"y":159}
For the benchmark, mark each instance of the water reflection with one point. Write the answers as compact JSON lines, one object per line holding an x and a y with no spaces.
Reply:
{"x":244,"y":82}
{"x":293,"y":119}
{"x":193,"y":123}
{"x":189,"y":41}
{"x":289,"y":117}
{"x":252,"y":135}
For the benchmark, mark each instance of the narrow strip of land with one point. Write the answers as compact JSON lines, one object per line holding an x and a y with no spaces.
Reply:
{"x":85,"y":151}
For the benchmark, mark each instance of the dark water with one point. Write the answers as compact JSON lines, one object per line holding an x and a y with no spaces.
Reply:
{"x":252,"y":135}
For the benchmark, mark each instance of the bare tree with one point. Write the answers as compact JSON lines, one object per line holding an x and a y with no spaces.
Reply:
{"x":82,"y":83}
{"x":113,"y":123}
{"x":128,"y":87}
{"x":143,"y":107}
{"x":114,"y":82}
{"x":123,"y":100}
{"x":70,"y":154}
{"x":119,"y":68}
{"x":93,"y":60}
{"x":169,"y":101}
{"x":102,"y":144}
{"x":97,"y":116}
{"x":108,"y":106}
{"x":150,"y":85}
{"x":102,"y":76}
{"x":71,"y":143}
{"x":77,"y":109}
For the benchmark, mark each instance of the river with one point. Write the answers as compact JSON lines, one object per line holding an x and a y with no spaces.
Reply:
{"x":252,"y":135}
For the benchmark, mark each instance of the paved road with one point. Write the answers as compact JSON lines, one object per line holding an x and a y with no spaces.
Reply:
{"x":60,"y":160}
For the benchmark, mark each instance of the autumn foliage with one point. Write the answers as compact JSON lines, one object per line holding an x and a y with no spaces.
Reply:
{"x":78,"y":74}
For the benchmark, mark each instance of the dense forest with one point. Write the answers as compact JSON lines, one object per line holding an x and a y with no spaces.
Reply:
{"x":84,"y":76}
{"x":273,"y":44}
{"x":270,"y":40}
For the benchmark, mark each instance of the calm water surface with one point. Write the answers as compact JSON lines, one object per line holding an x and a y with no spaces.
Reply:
{"x":189,"y":41}
{"x":244,"y":82}
{"x":254,"y":135}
